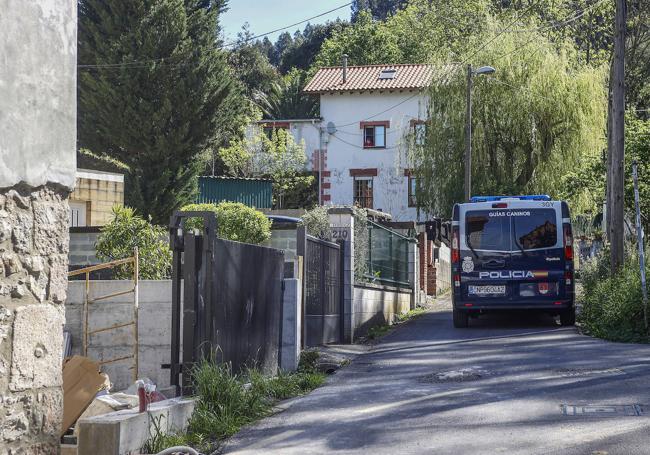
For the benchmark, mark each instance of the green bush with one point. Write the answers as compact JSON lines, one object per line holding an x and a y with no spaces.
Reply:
{"x":126,"y":231}
{"x":235,"y":221}
{"x":612,"y":305}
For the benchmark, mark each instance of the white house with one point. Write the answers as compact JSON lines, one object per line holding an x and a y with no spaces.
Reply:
{"x":306,"y":131}
{"x":367,"y":113}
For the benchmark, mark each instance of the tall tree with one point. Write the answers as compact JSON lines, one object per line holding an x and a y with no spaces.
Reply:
{"x":533,"y":121}
{"x":285,"y":99}
{"x":379,"y":9}
{"x":251,"y":64}
{"x":153,"y":88}
{"x":421,"y":32}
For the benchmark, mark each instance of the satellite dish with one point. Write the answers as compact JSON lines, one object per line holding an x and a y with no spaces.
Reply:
{"x":331,"y":128}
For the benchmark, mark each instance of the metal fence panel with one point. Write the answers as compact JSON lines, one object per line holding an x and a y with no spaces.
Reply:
{"x":322,"y":292}
{"x":387,"y":255}
{"x":247,"y":304}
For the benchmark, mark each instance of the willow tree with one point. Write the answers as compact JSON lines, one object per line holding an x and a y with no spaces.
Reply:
{"x":533,"y":121}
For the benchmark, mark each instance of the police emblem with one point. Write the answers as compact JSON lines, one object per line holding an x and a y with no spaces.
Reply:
{"x":468,"y":265}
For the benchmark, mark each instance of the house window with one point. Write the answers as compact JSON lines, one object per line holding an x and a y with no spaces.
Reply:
{"x":419,"y":132}
{"x":374,"y":134}
{"x":363,"y":192}
{"x":77,"y":214}
{"x":412,"y":183}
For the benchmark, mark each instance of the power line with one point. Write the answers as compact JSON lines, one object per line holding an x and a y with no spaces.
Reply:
{"x":288,"y":26}
{"x":137,"y":64}
{"x":558,"y":24}
{"x":363,"y":148}
{"x":454,"y":68}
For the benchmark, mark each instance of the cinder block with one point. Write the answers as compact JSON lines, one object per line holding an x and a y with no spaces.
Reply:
{"x":123,"y":432}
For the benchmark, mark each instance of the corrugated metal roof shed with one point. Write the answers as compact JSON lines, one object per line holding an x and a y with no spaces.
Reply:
{"x":253,"y":192}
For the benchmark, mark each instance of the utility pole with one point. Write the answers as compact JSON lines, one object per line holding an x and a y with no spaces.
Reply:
{"x":617,"y":145}
{"x":468,"y":137}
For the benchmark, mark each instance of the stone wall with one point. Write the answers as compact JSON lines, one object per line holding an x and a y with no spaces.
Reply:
{"x":33,"y":281}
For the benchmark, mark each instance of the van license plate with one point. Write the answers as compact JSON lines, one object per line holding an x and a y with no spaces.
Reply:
{"x":487,"y":290}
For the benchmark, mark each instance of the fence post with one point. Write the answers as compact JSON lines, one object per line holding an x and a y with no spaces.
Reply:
{"x":413,"y":272}
{"x":301,"y":251}
{"x":291,"y":324}
{"x":342,"y":226}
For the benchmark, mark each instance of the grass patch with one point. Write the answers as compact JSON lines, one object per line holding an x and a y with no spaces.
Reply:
{"x":379,"y":331}
{"x":226,"y":401}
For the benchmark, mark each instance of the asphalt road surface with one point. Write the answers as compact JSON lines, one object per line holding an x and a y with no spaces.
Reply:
{"x":518,"y":384}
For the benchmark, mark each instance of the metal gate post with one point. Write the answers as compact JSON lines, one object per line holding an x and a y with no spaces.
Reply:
{"x":176,"y":241}
{"x":196,"y":270}
{"x":341,"y":290}
{"x":301,"y":250}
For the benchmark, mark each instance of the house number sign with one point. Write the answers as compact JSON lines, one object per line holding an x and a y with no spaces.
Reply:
{"x":340,"y":233}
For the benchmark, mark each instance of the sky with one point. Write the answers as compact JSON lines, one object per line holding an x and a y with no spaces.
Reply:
{"x":266,"y":15}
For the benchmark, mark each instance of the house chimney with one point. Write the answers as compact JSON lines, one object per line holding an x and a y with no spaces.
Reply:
{"x":345,"y":67}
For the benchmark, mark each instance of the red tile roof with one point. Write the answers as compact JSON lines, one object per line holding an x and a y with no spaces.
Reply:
{"x":407,"y":76}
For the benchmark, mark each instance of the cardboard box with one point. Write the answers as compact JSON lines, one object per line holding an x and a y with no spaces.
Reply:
{"x":81,"y":382}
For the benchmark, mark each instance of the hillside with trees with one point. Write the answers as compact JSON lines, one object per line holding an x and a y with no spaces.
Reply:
{"x":163,"y":94}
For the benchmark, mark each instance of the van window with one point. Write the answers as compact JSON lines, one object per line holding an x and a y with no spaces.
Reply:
{"x":539,"y":230}
{"x":485,"y":232}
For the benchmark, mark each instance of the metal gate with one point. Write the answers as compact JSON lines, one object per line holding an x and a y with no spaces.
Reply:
{"x":322,"y":291}
{"x":231,"y":301}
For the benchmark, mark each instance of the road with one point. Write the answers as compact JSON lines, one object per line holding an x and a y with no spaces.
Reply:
{"x":496,"y":387}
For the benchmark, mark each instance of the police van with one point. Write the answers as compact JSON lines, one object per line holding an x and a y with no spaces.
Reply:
{"x":512,"y":253}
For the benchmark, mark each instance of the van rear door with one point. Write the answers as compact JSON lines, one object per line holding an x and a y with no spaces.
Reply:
{"x":485,"y":255}
{"x":538,"y":249}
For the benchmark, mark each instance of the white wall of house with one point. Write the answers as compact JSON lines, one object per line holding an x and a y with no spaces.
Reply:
{"x":306,"y":131}
{"x":345,"y":147}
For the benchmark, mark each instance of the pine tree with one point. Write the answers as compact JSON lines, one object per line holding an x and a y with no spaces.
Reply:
{"x":154,"y":90}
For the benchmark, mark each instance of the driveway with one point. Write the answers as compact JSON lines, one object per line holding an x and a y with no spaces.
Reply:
{"x":508,"y":384}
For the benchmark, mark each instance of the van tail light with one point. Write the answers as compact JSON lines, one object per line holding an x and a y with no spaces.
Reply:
{"x":455,"y":246}
{"x":568,"y":243}
{"x":457,"y":280}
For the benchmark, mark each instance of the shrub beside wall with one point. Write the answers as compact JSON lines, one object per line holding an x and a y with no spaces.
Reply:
{"x":128,"y":230}
{"x":235,"y":221}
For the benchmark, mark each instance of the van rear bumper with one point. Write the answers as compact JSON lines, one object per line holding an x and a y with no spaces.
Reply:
{"x":473,"y":305}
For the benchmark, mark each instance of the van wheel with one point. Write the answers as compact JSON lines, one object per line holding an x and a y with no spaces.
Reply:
{"x":461,"y":319}
{"x":568,"y":317}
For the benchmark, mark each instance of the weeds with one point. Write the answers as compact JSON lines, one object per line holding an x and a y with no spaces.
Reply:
{"x":226,"y":401}
{"x":612,"y":306}
{"x":379,"y":331}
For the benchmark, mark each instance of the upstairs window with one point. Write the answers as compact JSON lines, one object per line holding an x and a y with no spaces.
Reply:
{"x":374,"y":134}
{"x":420,"y":133}
{"x":411,"y":191}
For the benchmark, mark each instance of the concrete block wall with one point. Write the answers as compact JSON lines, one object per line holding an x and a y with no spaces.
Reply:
{"x":284,"y":239}
{"x":377,"y":304}
{"x":443,"y":269}
{"x":291,"y":324}
{"x":82,"y":247}
{"x":154,"y":327}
